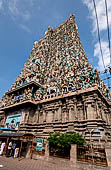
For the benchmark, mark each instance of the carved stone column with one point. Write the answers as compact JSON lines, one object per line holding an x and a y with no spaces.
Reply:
{"x":90,"y":111}
{"x":75,"y":110}
{"x":71,"y":110}
{"x":59,"y":113}
{"x":97,"y":110}
{"x":71,"y":114}
{"x":64,"y":114}
{"x":44,"y":116}
{"x":56,"y":114}
{"x":36,"y":117}
{"x":40,"y":116}
{"x":26,"y":117}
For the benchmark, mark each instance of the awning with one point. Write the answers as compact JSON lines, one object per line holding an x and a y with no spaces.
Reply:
{"x":25,"y":135}
{"x":11,"y":134}
{"x":7,"y":129}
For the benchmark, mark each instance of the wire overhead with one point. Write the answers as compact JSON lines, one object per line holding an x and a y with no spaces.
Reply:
{"x":108,"y":29}
{"x":100,"y":40}
{"x":98,"y":33}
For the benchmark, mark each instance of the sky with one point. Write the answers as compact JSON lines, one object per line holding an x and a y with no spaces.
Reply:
{"x":24,"y":21}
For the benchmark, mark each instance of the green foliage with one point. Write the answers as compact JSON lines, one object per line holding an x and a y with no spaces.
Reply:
{"x":65,"y":140}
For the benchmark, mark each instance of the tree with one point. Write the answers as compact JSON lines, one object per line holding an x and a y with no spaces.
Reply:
{"x":65,"y":140}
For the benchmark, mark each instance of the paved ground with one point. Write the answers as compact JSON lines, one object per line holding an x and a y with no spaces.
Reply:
{"x":29,"y":164}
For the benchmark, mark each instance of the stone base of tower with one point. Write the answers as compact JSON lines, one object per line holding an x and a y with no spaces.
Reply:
{"x":84,"y":111}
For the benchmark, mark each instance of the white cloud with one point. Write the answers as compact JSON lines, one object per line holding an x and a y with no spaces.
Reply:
{"x":18,"y":10}
{"x":15,"y":10}
{"x":1,"y":4}
{"x":100,"y":7}
{"x":25,"y":28}
{"x":12,"y":6}
{"x":101,"y":13}
{"x":106,"y":55}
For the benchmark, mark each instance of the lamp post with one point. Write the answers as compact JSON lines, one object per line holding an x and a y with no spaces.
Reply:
{"x":90,"y":134}
{"x":91,"y":145}
{"x":92,"y":130}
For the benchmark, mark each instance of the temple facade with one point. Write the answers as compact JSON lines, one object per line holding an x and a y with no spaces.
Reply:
{"x":58,"y":90}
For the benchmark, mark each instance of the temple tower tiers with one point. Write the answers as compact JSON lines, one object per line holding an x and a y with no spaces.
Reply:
{"x":59,"y":85}
{"x":58,"y":63}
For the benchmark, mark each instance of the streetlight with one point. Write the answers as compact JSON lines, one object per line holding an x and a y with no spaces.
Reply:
{"x":90,"y":134}
{"x":91,"y":145}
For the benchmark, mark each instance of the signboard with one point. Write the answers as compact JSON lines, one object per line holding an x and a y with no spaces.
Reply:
{"x":39,"y":144}
{"x":12,"y":122}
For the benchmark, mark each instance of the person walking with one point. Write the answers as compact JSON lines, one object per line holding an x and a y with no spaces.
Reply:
{"x":16,"y":151}
{"x":1,"y":151}
{"x":9,"y":149}
{"x":2,"y":148}
{"x":13,"y":149}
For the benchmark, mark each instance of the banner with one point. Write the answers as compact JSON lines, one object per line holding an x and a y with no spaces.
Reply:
{"x":39,"y":144}
{"x":13,"y":121}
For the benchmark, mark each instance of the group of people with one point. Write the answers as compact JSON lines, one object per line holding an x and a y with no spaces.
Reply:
{"x":12,"y":149}
{"x":58,"y":61}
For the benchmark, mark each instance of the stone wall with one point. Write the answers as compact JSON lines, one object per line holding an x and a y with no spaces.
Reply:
{"x":72,"y":162}
{"x":79,"y":113}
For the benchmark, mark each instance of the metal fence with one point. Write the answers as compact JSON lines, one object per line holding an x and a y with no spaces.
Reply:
{"x":91,"y":154}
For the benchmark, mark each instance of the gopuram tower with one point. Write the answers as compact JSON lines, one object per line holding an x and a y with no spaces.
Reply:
{"x":58,"y":90}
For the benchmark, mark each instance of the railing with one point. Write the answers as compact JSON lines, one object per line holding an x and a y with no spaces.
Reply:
{"x":92,"y":155}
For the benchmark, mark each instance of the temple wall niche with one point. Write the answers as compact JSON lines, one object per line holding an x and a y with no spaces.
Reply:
{"x":56,"y":114}
{"x":31,"y":115}
{"x":44,"y":115}
{"x":49,"y":116}
{"x":26,"y":117}
{"x":80,"y":112}
{"x":40,"y":117}
{"x":59,"y":113}
{"x":71,"y":107}
{"x":91,"y":112}
{"x":64,"y":115}
{"x":71,"y":114}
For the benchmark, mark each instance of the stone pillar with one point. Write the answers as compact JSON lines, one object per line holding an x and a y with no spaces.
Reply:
{"x":73,"y":154}
{"x":44,"y":116}
{"x":90,"y":111}
{"x":59,"y":113}
{"x":71,"y":114}
{"x":81,"y":112}
{"x":56,"y":114}
{"x":97,"y":110}
{"x":40,"y":116}
{"x":26,"y":119}
{"x":108,"y":154}
{"x":75,"y":110}
{"x":37,"y":116}
{"x":70,"y":107}
{"x":47,"y":150}
{"x":64,"y":115}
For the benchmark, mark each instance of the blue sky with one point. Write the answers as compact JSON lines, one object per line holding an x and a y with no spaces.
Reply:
{"x":24,"y":21}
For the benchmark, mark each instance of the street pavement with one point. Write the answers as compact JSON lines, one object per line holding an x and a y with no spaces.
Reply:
{"x":30,"y":164}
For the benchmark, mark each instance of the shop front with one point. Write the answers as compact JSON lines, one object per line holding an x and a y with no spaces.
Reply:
{"x":24,"y":142}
